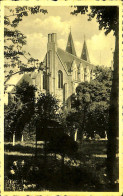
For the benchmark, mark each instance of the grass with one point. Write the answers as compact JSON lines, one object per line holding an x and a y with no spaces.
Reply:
{"x":49,"y":176}
{"x":89,"y":175}
{"x":21,"y":148}
{"x":93,"y":147}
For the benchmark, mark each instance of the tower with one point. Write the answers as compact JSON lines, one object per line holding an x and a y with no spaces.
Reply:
{"x":50,"y":65}
{"x":84,"y":54}
{"x":70,"y":45}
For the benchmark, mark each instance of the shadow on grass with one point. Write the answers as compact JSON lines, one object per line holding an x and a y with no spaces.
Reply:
{"x":22,"y":148}
{"x":93,"y":147}
{"x":50,"y":175}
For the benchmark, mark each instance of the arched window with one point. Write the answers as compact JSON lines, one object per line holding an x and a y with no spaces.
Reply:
{"x":85,"y":74}
{"x":75,"y":71}
{"x":44,"y":80}
{"x":76,"y":74}
{"x":60,"y":79}
{"x":81,"y":74}
{"x":91,"y":75}
{"x":88,"y":75}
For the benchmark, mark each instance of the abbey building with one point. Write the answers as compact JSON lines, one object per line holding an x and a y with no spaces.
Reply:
{"x":64,"y":69}
{"x":61,"y":71}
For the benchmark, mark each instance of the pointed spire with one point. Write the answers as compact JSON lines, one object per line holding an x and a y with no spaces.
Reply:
{"x":85,"y":54}
{"x":70,"y":45}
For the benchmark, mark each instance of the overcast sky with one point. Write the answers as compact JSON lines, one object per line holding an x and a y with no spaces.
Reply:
{"x":59,"y":20}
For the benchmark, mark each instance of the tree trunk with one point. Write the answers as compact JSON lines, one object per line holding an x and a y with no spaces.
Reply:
{"x":113,"y":131}
{"x":75,"y":135}
{"x":62,"y":169}
{"x":45,"y":150}
{"x":13,"y":139}
{"x":22,"y":138}
{"x":36,"y":143}
{"x":83,"y":124}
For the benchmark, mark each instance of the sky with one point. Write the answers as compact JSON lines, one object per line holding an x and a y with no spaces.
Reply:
{"x":59,"y":20}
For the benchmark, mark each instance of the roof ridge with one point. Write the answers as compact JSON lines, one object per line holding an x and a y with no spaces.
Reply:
{"x":63,"y":64}
{"x":76,"y":57}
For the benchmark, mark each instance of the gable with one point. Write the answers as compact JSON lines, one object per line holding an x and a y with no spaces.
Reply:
{"x":68,"y":60}
{"x":16,"y":80}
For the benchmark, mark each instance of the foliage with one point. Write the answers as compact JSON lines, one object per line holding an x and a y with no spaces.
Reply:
{"x":77,"y":177}
{"x":10,"y":113}
{"x":19,"y":113}
{"x":47,"y":107}
{"x":97,"y":120}
{"x":31,"y":109}
{"x":25,"y":93}
{"x":46,"y":118}
{"x":106,"y":16}
{"x":17,"y":179}
{"x":14,"y":40}
{"x":108,"y":19}
{"x":27,"y":69}
{"x":91,"y":105}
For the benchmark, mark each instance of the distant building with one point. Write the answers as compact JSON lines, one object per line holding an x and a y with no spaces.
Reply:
{"x":61,"y":73}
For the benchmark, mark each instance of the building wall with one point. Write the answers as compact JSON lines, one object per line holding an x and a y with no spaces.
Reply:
{"x":62,"y":93}
{"x":79,"y":73}
{"x":54,"y":65}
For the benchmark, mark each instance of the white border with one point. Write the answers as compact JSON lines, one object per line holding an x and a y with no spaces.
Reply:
{"x":62,"y":3}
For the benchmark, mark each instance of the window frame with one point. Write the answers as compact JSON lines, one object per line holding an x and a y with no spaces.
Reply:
{"x":60,"y":79}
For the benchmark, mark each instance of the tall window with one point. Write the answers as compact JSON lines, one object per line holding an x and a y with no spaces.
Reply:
{"x":88,"y":75}
{"x":44,"y":80}
{"x":81,"y":74}
{"x":91,"y":75}
{"x":60,"y":79}
{"x":85,"y":74}
{"x":76,"y":74}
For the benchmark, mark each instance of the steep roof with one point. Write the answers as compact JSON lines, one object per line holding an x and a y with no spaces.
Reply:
{"x":15,"y":80}
{"x":85,"y":54}
{"x":68,"y":59}
{"x":70,"y":45}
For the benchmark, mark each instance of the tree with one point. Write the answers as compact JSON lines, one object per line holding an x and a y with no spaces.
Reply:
{"x":46,"y":111}
{"x":61,"y":143}
{"x":97,"y":120}
{"x":25,"y":94}
{"x":107,"y":17}
{"x":91,"y":105}
{"x":10,"y":113}
{"x":74,"y":123}
{"x":19,"y":113}
{"x":50,"y":125}
{"x":47,"y":107}
{"x":14,"y":40}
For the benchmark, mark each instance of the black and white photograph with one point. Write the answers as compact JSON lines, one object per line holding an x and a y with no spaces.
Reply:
{"x":61,"y":98}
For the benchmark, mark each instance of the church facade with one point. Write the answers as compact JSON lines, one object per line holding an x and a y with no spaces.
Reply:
{"x":64,"y":70}
{"x":61,"y":71}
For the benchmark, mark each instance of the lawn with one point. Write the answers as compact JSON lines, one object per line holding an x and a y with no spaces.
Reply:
{"x":83,"y":172}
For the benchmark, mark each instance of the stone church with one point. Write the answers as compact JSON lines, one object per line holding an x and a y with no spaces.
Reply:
{"x":64,"y":70}
{"x":61,"y":71}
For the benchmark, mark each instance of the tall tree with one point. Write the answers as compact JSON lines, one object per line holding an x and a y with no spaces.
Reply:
{"x":107,"y":17}
{"x":92,"y":104}
{"x":14,"y":40}
{"x":19,"y":113}
{"x":46,"y":111}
